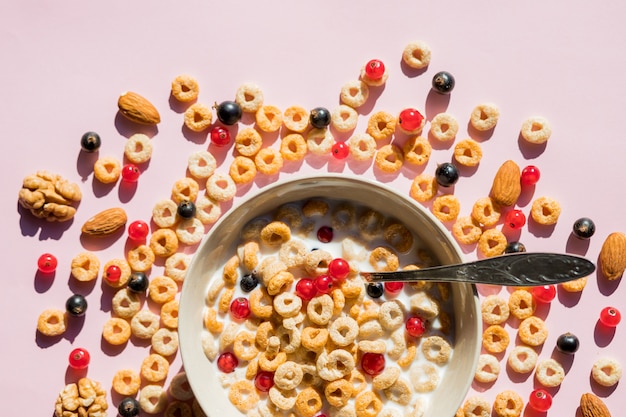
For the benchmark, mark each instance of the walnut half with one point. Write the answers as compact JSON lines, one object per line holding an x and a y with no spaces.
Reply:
{"x":49,"y":196}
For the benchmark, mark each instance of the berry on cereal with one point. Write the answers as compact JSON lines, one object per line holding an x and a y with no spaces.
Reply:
{"x":411,"y":121}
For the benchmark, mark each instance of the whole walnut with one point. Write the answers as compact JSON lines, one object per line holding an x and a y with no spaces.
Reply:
{"x":49,"y":196}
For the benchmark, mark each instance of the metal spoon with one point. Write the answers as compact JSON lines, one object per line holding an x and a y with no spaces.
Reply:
{"x":517,"y":270}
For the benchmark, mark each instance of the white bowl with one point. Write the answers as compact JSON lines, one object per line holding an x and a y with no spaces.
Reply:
{"x":218,"y":244}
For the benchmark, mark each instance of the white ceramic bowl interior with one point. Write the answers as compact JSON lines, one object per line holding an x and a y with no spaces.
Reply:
{"x":219,"y":243}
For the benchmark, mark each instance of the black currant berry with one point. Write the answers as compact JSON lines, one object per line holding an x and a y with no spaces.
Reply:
{"x":138,"y":282}
{"x":443,"y":82}
{"x":186,"y":209}
{"x":90,"y":142}
{"x":320,"y":117}
{"x":447,"y":174}
{"x":584,"y":228}
{"x":228,"y":112}
{"x":375,"y":289}
{"x":128,"y":407}
{"x":248,"y":282}
{"x":514,"y":247}
{"x":567,"y":343}
{"x":76,"y":305}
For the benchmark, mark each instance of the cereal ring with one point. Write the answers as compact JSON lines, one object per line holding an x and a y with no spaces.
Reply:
{"x":468,"y":153}
{"x":107,"y":170}
{"x":343,"y":216}
{"x":169,"y":314}
{"x":371,"y":224}
{"x":576,"y":285}
{"x":371,"y":330}
{"x":381,"y":125}
{"x":177,"y":409}
{"x":343,"y":331}
{"x":532,"y":331}
{"x":201,"y":164}
{"x":296,"y":118}
{"x":476,"y":406}
{"x":344,"y":118}
{"x":164,"y":213}
{"x":230,"y":272}
{"x":386,"y":378}
{"x":165,"y":341}
{"x":319,"y":141}
{"x":522,"y":304}
{"x":210,"y":321}
{"x":162,"y":289}
{"x":261,"y":304}
{"x":417,"y":150}
{"x":436,"y":349}
{"x":545,"y":211}
{"x":275,"y":233}
{"x":416,"y":54}
{"x":424,"y":187}
{"x":314,"y":338}
{"x":283,"y":400}
{"x":446,"y":207}
{"x":354,"y":93}
{"x":508,"y":404}
{"x":338,"y":392}
{"x":268,"y":161}
{"x":85,"y":266}
{"x":190,"y":231}
{"x":315,"y":207}
{"x":371,"y":81}
{"x":126,"y":382}
{"x":125,"y":271}
{"x":486,"y":212}
{"x":424,"y":305}
{"x":398,"y":236}
{"x":263,"y":333}
{"x":116,"y":331}
{"x":606,"y":372}
{"x":287,"y":304}
{"x":494,"y":309}
{"x":320,"y":309}
{"x":484,"y":117}
{"x":138,"y":148}
{"x":225,"y":299}
{"x":227,"y":338}
{"x":444,"y":127}
{"x":52,"y":322}
{"x":244,"y":346}
{"x":207,"y":210}
{"x":492,"y":243}
{"x":198,"y":117}
{"x":249,"y":254}
{"x":125,"y":303}
{"x":373,"y":346}
{"x":248,"y":142}
{"x":269,"y":118}
{"x":293,"y":147}
{"x":140,"y":258}
{"x":185,"y":189}
{"x":536,"y":130}
{"x":362,"y":146}
{"x":176,"y":266}
{"x":522,"y":359}
{"x":221,"y":187}
{"x":164,"y":242}
{"x":144,"y":324}
{"x":249,"y":96}
{"x":271,"y":361}
{"x":185,"y":88}
{"x":389,"y":158}
{"x":466,"y":230}
{"x":293,"y":253}
{"x":367,"y":404}
{"x":316,"y":262}
{"x":242,"y":170}
{"x":383,"y":259}
{"x":288,"y":376}
{"x":153,"y":399}
{"x":390,"y":315}
{"x":424,"y":377}
{"x":495,"y":339}
{"x":549,"y":373}
{"x":334,"y":365}
{"x":399,"y":392}
{"x":488,"y":368}
{"x":308,"y":402}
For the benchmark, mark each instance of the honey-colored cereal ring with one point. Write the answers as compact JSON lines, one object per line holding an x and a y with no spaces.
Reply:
{"x":125,"y":303}
{"x":522,"y":359}
{"x":362,"y":146}
{"x":227,"y":337}
{"x":250,"y":97}
{"x":116,"y":331}
{"x":424,"y":377}
{"x":261,"y":304}
{"x":390,"y":315}
{"x":468,"y":153}
{"x":389,"y":158}
{"x":398,"y":236}
{"x":242,"y":170}
{"x":201,"y":164}
{"x":315,"y":207}
{"x":275,"y":233}
{"x":263,"y":333}
{"x":185,"y":88}
{"x":383,"y":259}
{"x":344,"y":118}
{"x":486,"y":212}
{"x":314,"y":338}
{"x":484,"y":116}
{"x":230,"y":272}
{"x":320,"y":141}
{"x":126,"y":382}
{"x":408,"y":355}
{"x":244,"y":346}
{"x":495,"y":339}
{"x":424,"y":187}
{"x":367,"y":404}
{"x":144,"y":324}
{"x":185,"y":189}
{"x":352,"y":287}
{"x":492,"y":243}
{"x":466,"y":230}
{"x":221,"y":187}
{"x":177,"y":409}
{"x":293,"y":147}
{"x":210,"y":321}
{"x":125,"y":270}
{"x":343,"y":216}
{"x":338,"y":392}
{"x":339,"y":301}
{"x":288,"y":375}
{"x":248,"y":142}
{"x":164,"y":242}
{"x":606,"y":371}
{"x":508,"y":404}
{"x":576,"y":285}
{"x":162,"y":289}
{"x":334,"y":365}
{"x":319,"y":310}
{"x":243,"y":395}
{"x":165,"y":341}
{"x":296,"y":118}
{"x":207,"y":210}
{"x":289,"y":215}
{"x":386,"y":378}
{"x":476,"y":406}
{"x":343,"y":331}
{"x":416,"y":54}
{"x":269,"y":118}
{"x":268,"y":161}
{"x":308,"y":402}
{"x":549,"y":373}
{"x":494,"y":309}
{"x":85,"y":266}
{"x":138,"y":148}
{"x":536,"y":130}
{"x":545,"y":211}
{"x":444,"y":127}
{"x":446,"y":207}
{"x":176,"y":266}
{"x":107,"y":170}
{"x":354,"y":93}
{"x":169,"y":314}
{"x":153,"y":399}
{"x":164,"y":213}
{"x":223,"y":303}
{"x":271,"y":361}
{"x":278,"y":285}
{"x":198,"y":117}
{"x":371,"y":224}
{"x":381,"y":125}
{"x":252,"y":369}
{"x":140,"y":258}
{"x":250,"y":256}
{"x":316,"y":262}
{"x":522,"y":304}
{"x":417,"y":150}
{"x":373,"y":346}
{"x":52,"y":322}
{"x":487,"y":369}
{"x":533,"y":331}
{"x":190,"y":231}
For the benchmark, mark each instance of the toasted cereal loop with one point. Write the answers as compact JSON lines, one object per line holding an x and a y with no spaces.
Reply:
{"x":126,"y":382}
{"x":371,"y":224}
{"x":177,"y":409}
{"x":198,"y":117}
{"x":268,"y":161}
{"x":416,"y":54}
{"x":225,"y":299}
{"x":370,"y":330}
{"x":209,"y":346}
{"x":52,"y":322}
{"x":244,"y":346}
{"x":484,"y":116}
{"x":476,"y":406}
{"x":314,"y":338}
{"x":446,"y":207}
{"x":185,"y":189}
{"x":391,"y":315}
{"x":296,"y":118}
{"x":179,"y":387}
{"x":176,"y":266}
{"x":125,"y":270}
{"x":185,"y":88}
{"x":343,"y":331}
{"x":399,"y":392}
{"x":248,"y":141}
{"x":85,"y":266}
{"x":492,"y":243}
{"x":466,"y":230}
{"x":169,"y":314}
{"x":381,"y":125}
{"x":201,"y":164}
{"x":344,"y":118}
{"x":210,"y":321}
{"x":486,"y":212}
{"x":162,"y":289}
{"x":207,"y":210}
{"x":283,"y":400}
{"x":522,"y":359}
{"x":367,"y":404}
{"x":343,"y":216}
{"x":468,"y":152}
{"x":383,"y":259}
{"x":495,"y":339}
{"x":606,"y":371}
{"x":308,"y":402}
{"x":374,"y":82}
{"x":107,"y":170}
{"x":417,"y":150}
{"x":494,"y":309}
{"x":275,"y":233}
{"x":153,"y":399}
{"x":164,"y":213}
{"x":250,"y":255}
{"x":261,"y":303}
{"x":116,"y":331}
{"x":536,"y":130}
{"x":165,"y":341}
{"x":436,"y":349}
{"x":230,"y":272}
{"x":424,"y":187}
{"x":338,"y":392}
{"x":293,"y":253}
{"x":288,"y":375}
{"x":576,"y":285}
{"x":545,"y":211}
{"x":154,"y":368}
{"x":444,"y":127}
{"x":249,"y":96}
{"x":320,"y":141}
{"x":508,"y":404}
{"x":521,"y":304}
{"x":243,"y":395}
{"x":221,"y":187}
{"x":386,"y":378}
{"x":362,"y":146}
{"x":488,"y":368}
{"x":125,"y":303}
{"x":549,"y":373}
{"x":190,"y":231}
{"x":319,"y":310}
{"x":138,"y":148}
{"x":287,"y":304}
{"x":164,"y":242}
{"x":354,"y":93}
{"x":144,"y":324}
{"x":269,"y":118}
{"x":293,"y":147}
{"x":389,"y":158}
{"x":140,"y":258}
{"x":533,"y":331}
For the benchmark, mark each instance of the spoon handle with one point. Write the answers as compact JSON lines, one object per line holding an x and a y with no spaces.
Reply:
{"x":517,"y":270}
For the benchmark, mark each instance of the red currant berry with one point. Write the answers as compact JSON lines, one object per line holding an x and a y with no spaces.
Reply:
{"x":515,"y":219}
{"x":227,"y":362}
{"x":372,"y":363}
{"x":306,"y":289}
{"x":540,"y":400}
{"x":338,"y":269}
{"x":113,"y":273}
{"x":410,"y":119}
{"x":79,"y":358}
{"x":325,"y":234}
{"x":544,"y":293}
{"x":264,"y":380}
{"x":240,"y":308}
{"x":415,"y":326}
{"x":220,"y":136}
{"x":47,"y":263}
{"x":530,"y":175}
{"x":138,"y":230}
{"x":340,"y":150}
{"x":323,"y":284}
{"x":375,"y":69}
{"x":610,"y":316}
{"x":130,"y":173}
{"x":393,"y":287}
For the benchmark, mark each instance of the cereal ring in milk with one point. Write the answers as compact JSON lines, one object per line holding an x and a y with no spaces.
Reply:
{"x":545,"y":211}
{"x":536,"y":130}
{"x":124,"y":268}
{"x":314,"y":338}
{"x":242,"y":170}
{"x":140,"y":258}
{"x":320,"y":309}
{"x":288,"y":375}
{"x":399,"y":392}
{"x":389,"y":158}
{"x":221,"y":187}
{"x":494,"y":309}
{"x":126,"y":382}
{"x":269,"y":118}
{"x":492,"y":243}
{"x":386,"y":378}
{"x":249,"y":96}
{"x":138,"y":148}
{"x":533,"y":331}
{"x":261,"y":303}
{"x":446,"y":207}
{"x":424,"y":377}
{"x":316,"y":262}
{"x":198,"y":117}
{"x":211,"y":322}
{"x":308,"y":402}
{"x":293,"y":253}
{"x":416,"y":54}
{"x":606,"y":371}
{"x":466,"y":230}
{"x":164,"y":242}
{"x":367,"y":404}
{"x":177,"y":409}
{"x":244,"y":346}
{"x":381,"y":125}
{"x":116,"y":331}
{"x":179,"y":388}
{"x":296,"y":118}
{"x":334,"y":365}
{"x":444,"y":127}
{"x":293,"y":147}
{"x":468,"y":153}
{"x":362,"y":146}
{"x":144,"y":324}
{"x":522,"y":359}
{"x":248,"y":141}
{"x":549,"y":373}
{"x":283,"y":399}
{"x":484,"y":116}
{"x":320,"y":141}
{"x":338,"y":392}
{"x":424,"y":187}
{"x":52,"y":322}
{"x":185,"y":88}
{"x":176,"y":266}
{"x":85,"y":266}
{"x":391,"y":315}
{"x":417,"y":150}
{"x":508,"y":404}
{"x":275,"y":233}
{"x":107,"y":170}
{"x":344,"y":118}
{"x":207,"y":210}
{"x":268,"y":161}
{"x":436,"y":349}
{"x":153,"y":399}
{"x":487,"y":369}
{"x":125,"y":303}
{"x":343,"y":331}
{"x":201,"y":164}
{"x":164,"y":213}
{"x":185,"y":189}
{"x":165,"y":341}
{"x":354,"y":93}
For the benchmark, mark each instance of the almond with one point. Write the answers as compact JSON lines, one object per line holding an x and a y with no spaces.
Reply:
{"x":592,"y":406}
{"x":506,"y":186}
{"x":138,"y":109}
{"x":612,"y":257}
{"x":105,"y":223}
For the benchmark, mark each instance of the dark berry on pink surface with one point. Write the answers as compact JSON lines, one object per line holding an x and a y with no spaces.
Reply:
{"x":90,"y":142}
{"x":567,"y":343}
{"x":228,"y":112}
{"x":129,"y":407}
{"x":584,"y":228}
{"x":76,"y":305}
{"x":138,"y":282}
{"x":443,"y":82}
{"x":319,"y":117}
{"x":447,"y":174}
{"x":514,"y":247}
{"x":186,"y":209}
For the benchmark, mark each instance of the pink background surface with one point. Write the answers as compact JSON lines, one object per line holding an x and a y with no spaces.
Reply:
{"x":65,"y":64}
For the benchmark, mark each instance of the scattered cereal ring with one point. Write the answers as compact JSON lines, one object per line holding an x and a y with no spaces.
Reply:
{"x":126,"y":382}
{"x":389,"y":158}
{"x":153,"y":399}
{"x":522,"y":304}
{"x":211,"y":322}
{"x":190,"y":231}
{"x":52,"y":322}
{"x":244,"y":346}
{"x":476,"y":406}
{"x":116,"y":331}
{"x":381,"y":125}
{"x":446,"y":207}
{"x":495,"y":339}
{"x":354,"y":93}
{"x":536,"y":130}
{"x":164,"y":213}
{"x":169,"y":314}
{"x":164,"y":242}
{"x":486,"y":212}
{"x":293,"y":253}
{"x":532,"y":331}
{"x":468,"y":152}
{"x":165,"y":341}
{"x":436,"y":349}
{"x":248,"y":142}
{"x":198,"y":117}
{"x":545,"y":211}
{"x":207,"y":210}
{"x":176,"y":266}
{"x":492,"y":243}
{"x":320,"y":141}
{"x":522,"y":359}
{"x":416,"y":54}
{"x":177,"y":409}
{"x":107,"y":170}
{"x":138,"y":148}
{"x":154,"y":368}
{"x":185,"y":189}
{"x":484,"y":117}
{"x":185,"y":88}
{"x":417,"y":150}
{"x":383,"y":259}
{"x":125,"y":303}
{"x":549,"y":373}
{"x":343,"y":216}
{"x":487,"y":369}
{"x":444,"y":127}
{"x":249,"y":96}
{"x":606,"y":372}
{"x":371,"y":224}
{"x":367,"y":404}
{"x":201,"y":164}
{"x":466,"y":230}
{"x":424,"y":187}
{"x":85,"y":266}
{"x":494,"y":309}
{"x":293,"y":147}
{"x":296,"y":118}
{"x":287,"y":304}
{"x":268,"y":161}
{"x":399,"y":392}
{"x":162,"y":289}
{"x":576,"y":285}
{"x":508,"y":404}
{"x":140,"y":258}
{"x":308,"y":402}
{"x":125,"y":270}
{"x":344,"y":118}
{"x":386,"y":378}
{"x":221,"y":187}
{"x":269,"y":118}
{"x":362,"y":146}
{"x":261,"y":303}
{"x":144,"y":324}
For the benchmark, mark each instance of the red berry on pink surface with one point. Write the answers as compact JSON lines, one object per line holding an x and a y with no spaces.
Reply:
{"x":220,"y":136}
{"x":340,"y":150}
{"x":130,"y":173}
{"x":410,"y":119}
{"x":338,"y":269}
{"x":227,"y":362}
{"x":372,"y":363}
{"x":544,"y":293}
{"x":515,"y":219}
{"x":530,"y":175}
{"x":540,"y":400}
{"x":375,"y":69}
{"x":610,"y":316}
{"x":138,"y":230}
{"x":47,"y":263}
{"x":415,"y":326}
{"x":240,"y":308}
{"x":79,"y":358}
